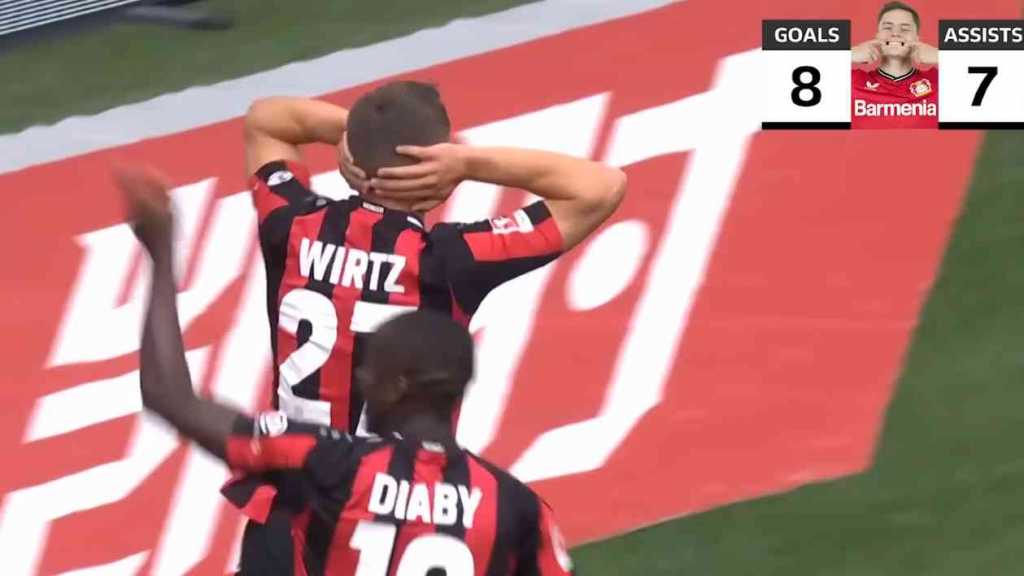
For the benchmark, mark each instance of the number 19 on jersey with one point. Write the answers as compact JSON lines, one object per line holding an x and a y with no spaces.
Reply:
{"x":805,"y":78}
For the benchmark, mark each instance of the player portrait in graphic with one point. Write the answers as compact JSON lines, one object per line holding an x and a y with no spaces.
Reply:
{"x":895,"y":74}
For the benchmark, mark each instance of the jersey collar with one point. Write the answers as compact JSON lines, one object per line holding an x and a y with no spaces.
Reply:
{"x":892,"y":78}
{"x":411,"y":217}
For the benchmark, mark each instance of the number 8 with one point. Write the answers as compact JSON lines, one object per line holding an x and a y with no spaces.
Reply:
{"x":801,"y":86}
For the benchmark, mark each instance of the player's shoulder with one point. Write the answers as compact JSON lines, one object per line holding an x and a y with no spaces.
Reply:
{"x":516,"y":488}
{"x":860,"y":74}
{"x":929,"y":73}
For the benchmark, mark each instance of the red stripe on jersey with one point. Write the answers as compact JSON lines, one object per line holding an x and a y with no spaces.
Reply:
{"x":300,"y":171}
{"x":264,"y":199}
{"x":543,"y":240}
{"x":342,"y":559}
{"x":336,"y":373}
{"x":409,"y":245}
{"x":428,"y":470}
{"x":480,"y":538}
{"x":551,"y":546}
{"x":287,"y":452}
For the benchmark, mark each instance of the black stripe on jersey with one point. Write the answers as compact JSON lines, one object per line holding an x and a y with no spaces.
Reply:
{"x":355,"y":402}
{"x":382,"y":240}
{"x":480,"y":226}
{"x":435,"y":293}
{"x":239,"y":492}
{"x":274,"y":232}
{"x":339,"y":473}
{"x":538,"y":212}
{"x":456,"y":473}
{"x":267,"y":548}
{"x":517,"y":525}
{"x":470,"y":292}
{"x":332,"y":231}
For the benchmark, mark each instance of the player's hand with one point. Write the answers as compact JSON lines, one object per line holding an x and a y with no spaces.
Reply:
{"x":867,"y":52}
{"x":924,"y":54}
{"x":148,"y":205}
{"x":429,"y":182}
{"x":353,"y":175}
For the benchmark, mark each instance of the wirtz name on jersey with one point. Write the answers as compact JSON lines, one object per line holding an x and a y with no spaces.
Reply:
{"x":412,"y":501}
{"x":349,"y":266}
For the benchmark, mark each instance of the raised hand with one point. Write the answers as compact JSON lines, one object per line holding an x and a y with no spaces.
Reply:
{"x":429,"y":182}
{"x":148,"y":207}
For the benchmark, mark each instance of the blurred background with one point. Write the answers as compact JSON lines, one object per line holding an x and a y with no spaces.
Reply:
{"x":787,"y":353}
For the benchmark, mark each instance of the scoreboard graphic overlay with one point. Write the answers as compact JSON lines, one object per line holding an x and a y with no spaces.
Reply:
{"x":981,"y":74}
{"x":806,"y":74}
{"x":805,"y":78}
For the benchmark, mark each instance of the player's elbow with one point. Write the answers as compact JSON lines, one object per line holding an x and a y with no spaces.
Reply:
{"x":610,"y":192}
{"x":259,"y":115}
{"x":618,"y":182}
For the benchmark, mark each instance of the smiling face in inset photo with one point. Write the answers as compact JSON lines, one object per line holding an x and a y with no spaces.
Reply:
{"x":897,"y":32}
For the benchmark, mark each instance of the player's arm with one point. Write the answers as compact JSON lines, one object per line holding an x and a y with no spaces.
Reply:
{"x":580,"y":194}
{"x":275,"y":128}
{"x":164,"y":376}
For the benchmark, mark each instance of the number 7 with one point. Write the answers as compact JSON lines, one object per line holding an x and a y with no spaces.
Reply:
{"x":990,"y":74}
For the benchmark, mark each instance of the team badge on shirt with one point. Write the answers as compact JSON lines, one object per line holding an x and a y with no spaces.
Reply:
{"x":519,"y":222}
{"x":921,"y":88}
{"x":279,"y":177}
{"x":271,"y":424}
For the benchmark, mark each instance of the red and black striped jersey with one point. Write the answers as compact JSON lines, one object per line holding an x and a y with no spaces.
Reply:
{"x":396,"y":506}
{"x":338,"y":269}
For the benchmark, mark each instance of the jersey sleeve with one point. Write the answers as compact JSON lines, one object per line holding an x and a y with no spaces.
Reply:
{"x":552,"y":555}
{"x":279,"y":183}
{"x":548,"y":555}
{"x":270,"y":443}
{"x":480,"y":256}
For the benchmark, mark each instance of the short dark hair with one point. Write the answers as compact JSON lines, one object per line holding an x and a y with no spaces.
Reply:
{"x":432,"y":351}
{"x":397,"y":113}
{"x":890,"y":6}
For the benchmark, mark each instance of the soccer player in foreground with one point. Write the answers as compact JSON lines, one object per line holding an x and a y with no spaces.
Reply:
{"x":409,"y":501}
{"x":337,"y":269}
{"x":896,"y":93}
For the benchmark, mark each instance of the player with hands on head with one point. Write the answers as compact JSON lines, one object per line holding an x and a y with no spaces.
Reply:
{"x":370,"y":255}
{"x":469,"y":518}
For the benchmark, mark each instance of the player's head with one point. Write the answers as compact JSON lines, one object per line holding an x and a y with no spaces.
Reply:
{"x":395,"y":114}
{"x":417,"y":364}
{"x":898,"y":28}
